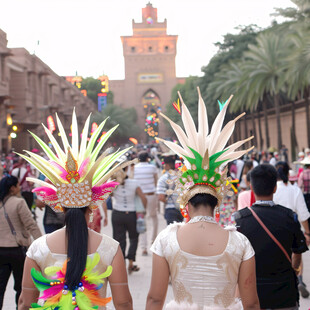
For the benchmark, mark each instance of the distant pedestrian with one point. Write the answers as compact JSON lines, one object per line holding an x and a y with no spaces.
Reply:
{"x":16,"y":228}
{"x":246,"y":198}
{"x":278,"y":242}
{"x":146,"y":175}
{"x":304,"y":180}
{"x":124,"y":217}
{"x":248,"y":166}
{"x":291,"y":197}
{"x":22,"y":171}
{"x":166,"y":183}
{"x":272,"y":159}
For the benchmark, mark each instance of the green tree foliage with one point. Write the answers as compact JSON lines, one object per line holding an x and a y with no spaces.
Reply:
{"x":275,"y":66}
{"x":231,"y":50}
{"x":93,"y":87}
{"x":299,"y":13}
{"x":125,"y":118}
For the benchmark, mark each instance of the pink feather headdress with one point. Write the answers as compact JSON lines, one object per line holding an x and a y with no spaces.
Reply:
{"x":77,"y":177}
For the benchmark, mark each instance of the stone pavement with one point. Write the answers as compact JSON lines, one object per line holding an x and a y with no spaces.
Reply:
{"x":139,"y":282}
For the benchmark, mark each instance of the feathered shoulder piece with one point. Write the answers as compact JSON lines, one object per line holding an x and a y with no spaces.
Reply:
{"x":56,"y":296}
{"x":77,"y":177}
{"x":204,"y":152}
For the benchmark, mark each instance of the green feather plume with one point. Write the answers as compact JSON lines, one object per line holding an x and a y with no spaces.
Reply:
{"x":83,"y":301}
{"x":41,"y":283}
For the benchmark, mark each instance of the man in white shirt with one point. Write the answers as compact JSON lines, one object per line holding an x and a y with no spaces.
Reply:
{"x":239,"y":164}
{"x":146,"y":175}
{"x":272,"y":159}
{"x":291,"y":197}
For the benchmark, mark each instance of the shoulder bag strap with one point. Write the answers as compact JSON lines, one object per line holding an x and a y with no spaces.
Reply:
{"x":24,"y":177}
{"x":9,"y":222}
{"x":270,"y":235}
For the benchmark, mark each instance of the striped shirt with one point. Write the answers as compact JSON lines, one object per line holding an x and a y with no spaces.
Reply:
{"x":163,"y":186}
{"x":145,"y":173}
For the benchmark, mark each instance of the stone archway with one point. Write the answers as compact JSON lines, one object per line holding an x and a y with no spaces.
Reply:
{"x":151,"y":105}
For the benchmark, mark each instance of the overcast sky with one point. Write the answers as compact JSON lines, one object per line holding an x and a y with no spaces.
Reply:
{"x":84,"y":36}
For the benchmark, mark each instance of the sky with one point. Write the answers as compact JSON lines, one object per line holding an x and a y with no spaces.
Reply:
{"x":84,"y":36}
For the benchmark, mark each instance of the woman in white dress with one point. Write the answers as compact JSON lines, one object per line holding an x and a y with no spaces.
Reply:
{"x":206,"y":262}
{"x":72,"y":266}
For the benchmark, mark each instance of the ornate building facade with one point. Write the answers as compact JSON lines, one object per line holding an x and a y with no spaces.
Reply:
{"x":30,"y":91}
{"x":150,"y":72}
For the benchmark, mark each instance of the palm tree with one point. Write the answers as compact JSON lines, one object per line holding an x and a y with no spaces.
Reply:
{"x":298,"y":73}
{"x":227,"y":82}
{"x":233,"y":79}
{"x":265,"y":63}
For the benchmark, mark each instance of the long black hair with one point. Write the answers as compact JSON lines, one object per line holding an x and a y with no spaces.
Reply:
{"x":5,"y":185}
{"x":204,"y":200}
{"x":283,"y":171}
{"x":77,"y":235}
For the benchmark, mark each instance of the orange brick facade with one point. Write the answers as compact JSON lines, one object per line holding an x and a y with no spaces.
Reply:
{"x":149,"y":68}
{"x":30,"y":91}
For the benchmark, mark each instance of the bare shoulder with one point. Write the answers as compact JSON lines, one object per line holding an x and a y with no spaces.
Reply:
{"x":94,"y":235}
{"x":56,"y":241}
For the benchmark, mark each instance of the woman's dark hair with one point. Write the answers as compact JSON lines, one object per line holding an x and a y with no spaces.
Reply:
{"x":283,"y":171}
{"x":263,"y":179}
{"x":5,"y":185}
{"x":248,"y":176}
{"x":203,"y":199}
{"x":77,"y":234}
{"x":169,"y":160}
{"x":248,"y":165}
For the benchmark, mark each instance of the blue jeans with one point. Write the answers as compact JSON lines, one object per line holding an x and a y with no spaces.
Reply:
{"x":173,"y":215}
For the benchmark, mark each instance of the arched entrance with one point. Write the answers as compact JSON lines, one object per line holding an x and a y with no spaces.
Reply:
{"x":151,"y":105}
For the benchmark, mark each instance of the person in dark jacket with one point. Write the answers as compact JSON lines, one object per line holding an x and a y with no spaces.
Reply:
{"x":275,"y":268}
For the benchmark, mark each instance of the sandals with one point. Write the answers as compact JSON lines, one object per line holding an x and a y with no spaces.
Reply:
{"x":133,"y":268}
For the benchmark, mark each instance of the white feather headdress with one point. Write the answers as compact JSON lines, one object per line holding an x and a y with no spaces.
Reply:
{"x":205,"y":152}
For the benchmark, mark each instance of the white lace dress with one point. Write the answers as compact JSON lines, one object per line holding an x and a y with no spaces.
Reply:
{"x":203,"y":282}
{"x":40,"y":252}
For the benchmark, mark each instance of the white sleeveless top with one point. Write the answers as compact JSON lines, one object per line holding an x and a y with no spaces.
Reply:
{"x":203,"y":282}
{"x":41,"y":254}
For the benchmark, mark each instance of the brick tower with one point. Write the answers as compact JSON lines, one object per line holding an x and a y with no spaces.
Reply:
{"x":149,"y":70}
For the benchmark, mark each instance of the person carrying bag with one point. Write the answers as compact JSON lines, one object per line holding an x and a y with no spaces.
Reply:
{"x":16,"y":228}
{"x":124,"y":216}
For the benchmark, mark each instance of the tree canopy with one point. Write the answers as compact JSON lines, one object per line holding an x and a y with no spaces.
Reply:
{"x":263,"y":68}
{"x":125,"y":118}
{"x":93,"y":88}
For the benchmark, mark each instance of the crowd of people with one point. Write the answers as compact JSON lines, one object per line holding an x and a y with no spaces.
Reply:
{"x":236,"y":227}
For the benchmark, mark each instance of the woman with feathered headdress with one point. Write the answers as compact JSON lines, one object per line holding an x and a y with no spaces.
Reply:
{"x":204,"y":261}
{"x":71,"y":266}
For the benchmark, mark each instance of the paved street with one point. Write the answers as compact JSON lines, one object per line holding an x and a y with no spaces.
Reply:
{"x":139,"y":282}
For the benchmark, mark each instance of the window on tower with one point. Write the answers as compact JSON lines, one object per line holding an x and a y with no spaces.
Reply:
{"x":150,"y":48}
{"x":133,"y":49}
{"x":166,"y":48}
